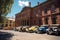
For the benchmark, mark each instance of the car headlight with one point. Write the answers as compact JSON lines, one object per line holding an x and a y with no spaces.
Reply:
{"x":55,"y":30}
{"x":40,"y":29}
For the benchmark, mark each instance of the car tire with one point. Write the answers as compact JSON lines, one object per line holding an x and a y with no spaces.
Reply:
{"x":38,"y":32}
{"x":47,"y":32}
{"x":57,"y":33}
{"x":41,"y":32}
{"x":50,"y":33}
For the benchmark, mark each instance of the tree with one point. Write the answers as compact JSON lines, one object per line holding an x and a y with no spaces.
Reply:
{"x":5,"y":8}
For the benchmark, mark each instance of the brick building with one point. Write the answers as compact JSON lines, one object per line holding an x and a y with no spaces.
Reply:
{"x":47,"y":12}
{"x":23,"y":18}
{"x":9,"y":23}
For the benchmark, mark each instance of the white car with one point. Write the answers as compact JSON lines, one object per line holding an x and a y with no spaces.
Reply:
{"x":54,"y":29}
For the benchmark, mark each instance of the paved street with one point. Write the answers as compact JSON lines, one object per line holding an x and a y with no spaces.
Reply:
{"x":30,"y":36}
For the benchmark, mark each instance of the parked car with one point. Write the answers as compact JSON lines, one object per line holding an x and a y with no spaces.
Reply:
{"x":1,"y":27}
{"x":7,"y":28}
{"x":32,"y":29}
{"x":42,"y":29}
{"x":24,"y":28}
{"x":17,"y":28}
{"x":54,"y":29}
{"x":27,"y":29}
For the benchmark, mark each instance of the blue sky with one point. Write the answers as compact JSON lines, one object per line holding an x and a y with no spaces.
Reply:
{"x":19,"y":4}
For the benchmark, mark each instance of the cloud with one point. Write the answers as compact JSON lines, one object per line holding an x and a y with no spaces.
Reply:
{"x":23,"y":3}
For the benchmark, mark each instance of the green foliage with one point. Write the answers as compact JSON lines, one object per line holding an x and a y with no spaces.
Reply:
{"x":3,"y":18}
{"x":5,"y":8}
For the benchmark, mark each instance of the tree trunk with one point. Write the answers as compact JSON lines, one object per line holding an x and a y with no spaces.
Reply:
{"x":1,"y":18}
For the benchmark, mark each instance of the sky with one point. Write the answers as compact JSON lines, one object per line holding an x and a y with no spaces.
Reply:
{"x":19,"y":4}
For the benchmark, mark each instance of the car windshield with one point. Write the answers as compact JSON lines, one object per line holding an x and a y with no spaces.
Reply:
{"x":55,"y":27}
{"x":41,"y":27}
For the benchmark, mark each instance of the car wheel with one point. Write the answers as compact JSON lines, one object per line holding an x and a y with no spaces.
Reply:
{"x":34,"y":31}
{"x":57,"y":33}
{"x":50,"y":32}
{"x":41,"y":32}
{"x":38,"y":32}
{"x":47,"y":32}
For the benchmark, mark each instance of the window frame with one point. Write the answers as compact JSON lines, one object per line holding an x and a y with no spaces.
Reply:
{"x":46,"y":20}
{"x":39,"y":12}
{"x":54,"y":21}
{"x":53,"y":8}
{"x":45,"y":10}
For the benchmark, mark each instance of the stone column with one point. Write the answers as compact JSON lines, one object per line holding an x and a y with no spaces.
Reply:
{"x":49,"y":20}
{"x":23,"y":22}
{"x":26,"y":22}
{"x":29,"y":22}
{"x":43,"y":21}
{"x":58,"y":19}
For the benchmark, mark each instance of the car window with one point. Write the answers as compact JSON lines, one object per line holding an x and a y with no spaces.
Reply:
{"x":41,"y":27}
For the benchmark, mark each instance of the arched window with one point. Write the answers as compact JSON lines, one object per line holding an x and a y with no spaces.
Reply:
{"x":45,"y":10}
{"x":46,"y":20}
{"x":53,"y":20}
{"x":34,"y":14}
{"x":6,"y":25}
{"x":53,"y":8}
{"x":39,"y":12}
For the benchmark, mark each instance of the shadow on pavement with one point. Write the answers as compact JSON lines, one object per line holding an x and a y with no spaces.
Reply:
{"x":55,"y":35}
{"x":5,"y":36}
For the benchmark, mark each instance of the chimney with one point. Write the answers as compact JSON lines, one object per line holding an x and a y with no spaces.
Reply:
{"x":38,"y":3}
{"x":29,"y":4}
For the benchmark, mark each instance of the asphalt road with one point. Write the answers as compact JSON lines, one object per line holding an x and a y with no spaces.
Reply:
{"x":29,"y":36}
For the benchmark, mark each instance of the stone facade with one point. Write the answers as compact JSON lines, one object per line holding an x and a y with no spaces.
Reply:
{"x":9,"y":24}
{"x":45,"y":13}
{"x":24,"y":18}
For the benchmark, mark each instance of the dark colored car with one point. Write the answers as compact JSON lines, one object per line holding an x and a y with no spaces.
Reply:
{"x":54,"y":29}
{"x":42,"y":29}
{"x":1,"y":27}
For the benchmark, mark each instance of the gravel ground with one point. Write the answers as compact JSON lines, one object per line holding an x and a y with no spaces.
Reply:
{"x":30,"y":36}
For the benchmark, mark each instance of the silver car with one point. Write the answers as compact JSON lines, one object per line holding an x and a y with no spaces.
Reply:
{"x":53,"y":29}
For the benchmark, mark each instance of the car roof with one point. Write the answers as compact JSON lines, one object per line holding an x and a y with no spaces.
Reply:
{"x":44,"y":25}
{"x":54,"y":25}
